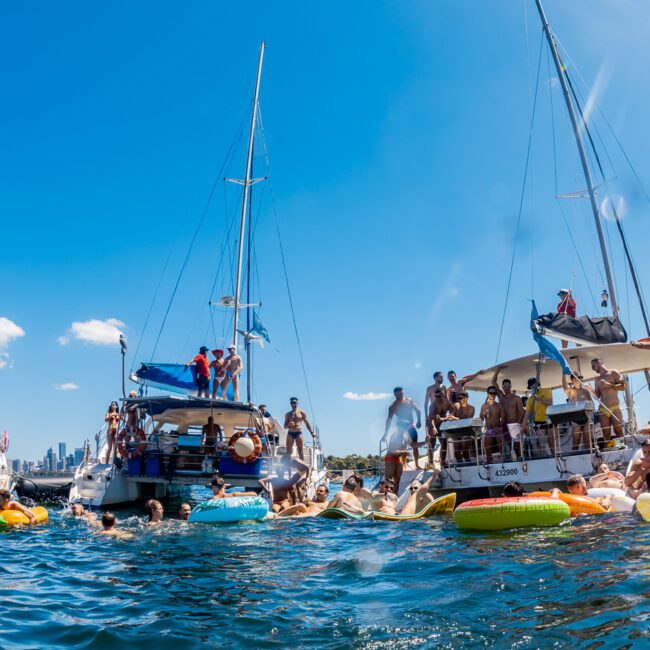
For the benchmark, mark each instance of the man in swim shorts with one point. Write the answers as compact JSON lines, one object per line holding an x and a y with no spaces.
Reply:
{"x":429,"y":396}
{"x":439,"y":412}
{"x":463,"y":410}
{"x":514,"y":411}
{"x":293,"y":424}
{"x":536,"y":406}
{"x":233,"y":366}
{"x":493,"y":416}
{"x":606,"y":389}
{"x":202,"y":372}
{"x":458,"y":385}
{"x":382,"y":500}
{"x":309,"y":507}
{"x":576,"y":392}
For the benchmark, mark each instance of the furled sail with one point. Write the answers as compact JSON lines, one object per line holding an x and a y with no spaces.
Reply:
{"x":167,"y":376}
{"x":600,"y":331}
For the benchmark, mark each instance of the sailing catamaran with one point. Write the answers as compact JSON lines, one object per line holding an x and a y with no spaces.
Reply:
{"x":170,"y":441}
{"x":603,"y":338}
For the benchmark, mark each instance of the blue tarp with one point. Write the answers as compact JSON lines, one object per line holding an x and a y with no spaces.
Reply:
{"x":172,"y":376}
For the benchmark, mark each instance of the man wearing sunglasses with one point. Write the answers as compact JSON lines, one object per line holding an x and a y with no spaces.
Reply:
{"x":383,"y":499}
{"x":493,"y":415}
{"x":439,"y":412}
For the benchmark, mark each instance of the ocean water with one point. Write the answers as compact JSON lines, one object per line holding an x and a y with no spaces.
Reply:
{"x":312,"y":583}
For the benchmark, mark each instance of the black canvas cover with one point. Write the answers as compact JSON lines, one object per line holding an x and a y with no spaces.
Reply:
{"x":600,"y":330}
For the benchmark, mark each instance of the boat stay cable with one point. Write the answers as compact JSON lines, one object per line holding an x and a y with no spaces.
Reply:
{"x":521,"y":203}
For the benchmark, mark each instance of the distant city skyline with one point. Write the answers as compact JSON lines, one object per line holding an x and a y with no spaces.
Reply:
{"x":50,"y":461}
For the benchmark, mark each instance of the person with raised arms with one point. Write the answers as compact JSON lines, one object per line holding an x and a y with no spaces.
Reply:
{"x":606,"y":388}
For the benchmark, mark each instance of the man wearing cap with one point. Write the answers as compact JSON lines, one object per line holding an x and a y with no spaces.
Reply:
{"x":233,"y":366}
{"x":567,"y":305}
{"x":219,"y":365}
{"x":202,"y":371}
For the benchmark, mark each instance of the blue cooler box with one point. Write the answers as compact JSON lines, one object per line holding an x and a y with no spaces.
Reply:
{"x":152,"y":466}
{"x":134,"y":466}
{"x":228,"y":466}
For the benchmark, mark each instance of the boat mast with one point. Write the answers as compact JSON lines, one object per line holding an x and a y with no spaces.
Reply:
{"x":581,"y":150}
{"x":247,"y":184}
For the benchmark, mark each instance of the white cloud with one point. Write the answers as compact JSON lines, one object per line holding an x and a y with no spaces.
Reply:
{"x":365,"y":396}
{"x":417,"y":365}
{"x":98,"y":332}
{"x":8,"y":332}
{"x":69,"y":385}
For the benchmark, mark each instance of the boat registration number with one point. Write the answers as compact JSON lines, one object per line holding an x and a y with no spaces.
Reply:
{"x":507,"y":472}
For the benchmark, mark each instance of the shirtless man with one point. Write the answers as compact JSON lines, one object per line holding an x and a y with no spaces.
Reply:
{"x":184,"y":511}
{"x":219,"y":485}
{"x":576,"y":484}
{"x":457,"y":386}
{"x":77,"y":510}
{"x":606,"y":389}
{"x":219,"y":365}
{"x":640,"y":345}
{"x":309,"y":508}
{"x":607,"y":478}
{"x":463,"y":410}
{"x":346,"y":498}
{"x":233,"y":365}
{"x":493,"y":415}
{"x":6,"y":503}
{"x":283,"y":485}
{"x":211,"y":432}
{"x":293,"y":424}
{"x":514,"y":411}
{"x":408,"y":420}
{"x":108,"y":527}
{"x":439,"y":412}
{"x":635,"y":478}
{"x":429,"y":396}
{"x":576,"y":392}
{"x":419,"y":496}
{"x":382,"y":500}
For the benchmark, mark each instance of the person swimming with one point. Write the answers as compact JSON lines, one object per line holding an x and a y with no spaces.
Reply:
{"x":154,"y":510}
{"x":6,"y":503}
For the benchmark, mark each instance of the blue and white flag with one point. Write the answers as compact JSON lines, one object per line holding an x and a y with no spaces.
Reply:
{"x":259,"y":328}
{"x":545,"y":346}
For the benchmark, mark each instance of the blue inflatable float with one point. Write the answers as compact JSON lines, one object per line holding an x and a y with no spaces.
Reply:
{"x":229,"y":510}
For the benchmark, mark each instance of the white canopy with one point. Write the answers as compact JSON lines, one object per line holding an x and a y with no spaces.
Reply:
{"x":619,"y":356}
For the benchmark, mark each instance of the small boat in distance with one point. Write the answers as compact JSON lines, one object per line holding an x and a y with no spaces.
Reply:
{"x":171,"y":441}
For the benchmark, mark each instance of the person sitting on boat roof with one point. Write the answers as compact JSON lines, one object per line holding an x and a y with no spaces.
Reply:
{"x":456,"y":386}
{"x":293,"y":424}
{"x":440,"y":411}
{"x":184,"y":511}
{"x":382,"y":500}
{"x":282,"y":485}
{"x":309,"y":507}
{"x":567,"y":305}
{"x":638,"y":469}
{"x":154,"y":510}
{"x":112,"y":419}
{"x":493,"y":415}
{"x":233,"y":367}
{"x":211,"y":432}
{"x":219,"y":485}
{"x":513,"y":409}
{"x":605,"y":477}
{"x":6,"y":503}
{"x":576,"y":392}
{"x":346,"y":499}
{"x":513,"y":489}
{"x":109,"y":528}
{"x":606,"y":389}
{"x":202,"y":372}
{"x":537,"y":404}
{"x":219,"y":365}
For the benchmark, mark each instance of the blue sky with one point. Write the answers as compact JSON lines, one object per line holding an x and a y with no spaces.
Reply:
{"x":397,"y":138}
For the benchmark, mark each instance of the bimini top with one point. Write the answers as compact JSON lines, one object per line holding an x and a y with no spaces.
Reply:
{"x":187,"y":411}
{"x":617,"y":356}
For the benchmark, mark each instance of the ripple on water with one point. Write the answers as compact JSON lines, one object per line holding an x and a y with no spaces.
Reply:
{"x":327,"y":584}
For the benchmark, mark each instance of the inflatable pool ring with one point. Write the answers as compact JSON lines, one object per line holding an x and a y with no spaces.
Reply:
{"x":442,"y":506}
{"x":123,"y":445}
{"x":15,"y":517}
{"x":578,"y":505}
{"x":229,"y":510}
{"x":510,"y":512}
{"x":643,"y":505}
{"x":622,"y":503}
{"x":245,"y":447}
{"x":595,"y":493}
{"x":338,"y":513}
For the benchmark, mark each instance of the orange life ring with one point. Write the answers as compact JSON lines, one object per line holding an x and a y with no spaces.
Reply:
{"x":125,"y":436}
{"x":257,"y":447}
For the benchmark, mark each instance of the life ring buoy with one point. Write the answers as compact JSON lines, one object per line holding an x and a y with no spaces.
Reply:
{"x":253,"y":456}
{"x":125,"y":436}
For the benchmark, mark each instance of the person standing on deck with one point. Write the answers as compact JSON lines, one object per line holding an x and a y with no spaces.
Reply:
{"x":219,"y":365}
{"x":537,"y":404}
{"x":202,"y":372}
{"x":112,"y":419}
{"x":439,"y":412}
{"x":457,"y":386}
{"x":429,"y":396}
{"x":408,"y":419}
{"x":567,"y":305}
{"x":233,"y":367}
{"x":607,"y":386}
{"x":493,"y":415}
{"x":463,"y":410}
{"x":576,"y":392}
{"x":513,"y":408}
{"x":293,"y":424}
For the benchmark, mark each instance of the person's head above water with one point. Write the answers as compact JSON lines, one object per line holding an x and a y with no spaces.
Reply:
{"x":322,"y":492}
{"x":513,"y":489}
{"x":576,"y":484}
{"x":77,"y":510}
{"x":184,"y":511}
{"x":154,"y":510}
{"x":5,"y":497}
{"x":350,"y":484}
{"x":108,"y":520}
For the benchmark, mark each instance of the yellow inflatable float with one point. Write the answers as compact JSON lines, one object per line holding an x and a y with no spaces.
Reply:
{"x":15,"y":517}
{"x":643,"y":505}
{"x":442,"y":506}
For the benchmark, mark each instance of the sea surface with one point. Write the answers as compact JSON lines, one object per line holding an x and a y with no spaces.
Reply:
{"x":312,"y":583}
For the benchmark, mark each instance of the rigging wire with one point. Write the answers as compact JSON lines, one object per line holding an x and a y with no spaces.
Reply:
{"x":521,"y":201}
{"x":284,"y":265}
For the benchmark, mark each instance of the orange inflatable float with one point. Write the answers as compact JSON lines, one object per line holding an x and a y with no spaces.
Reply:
{"x":578,"y":505}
